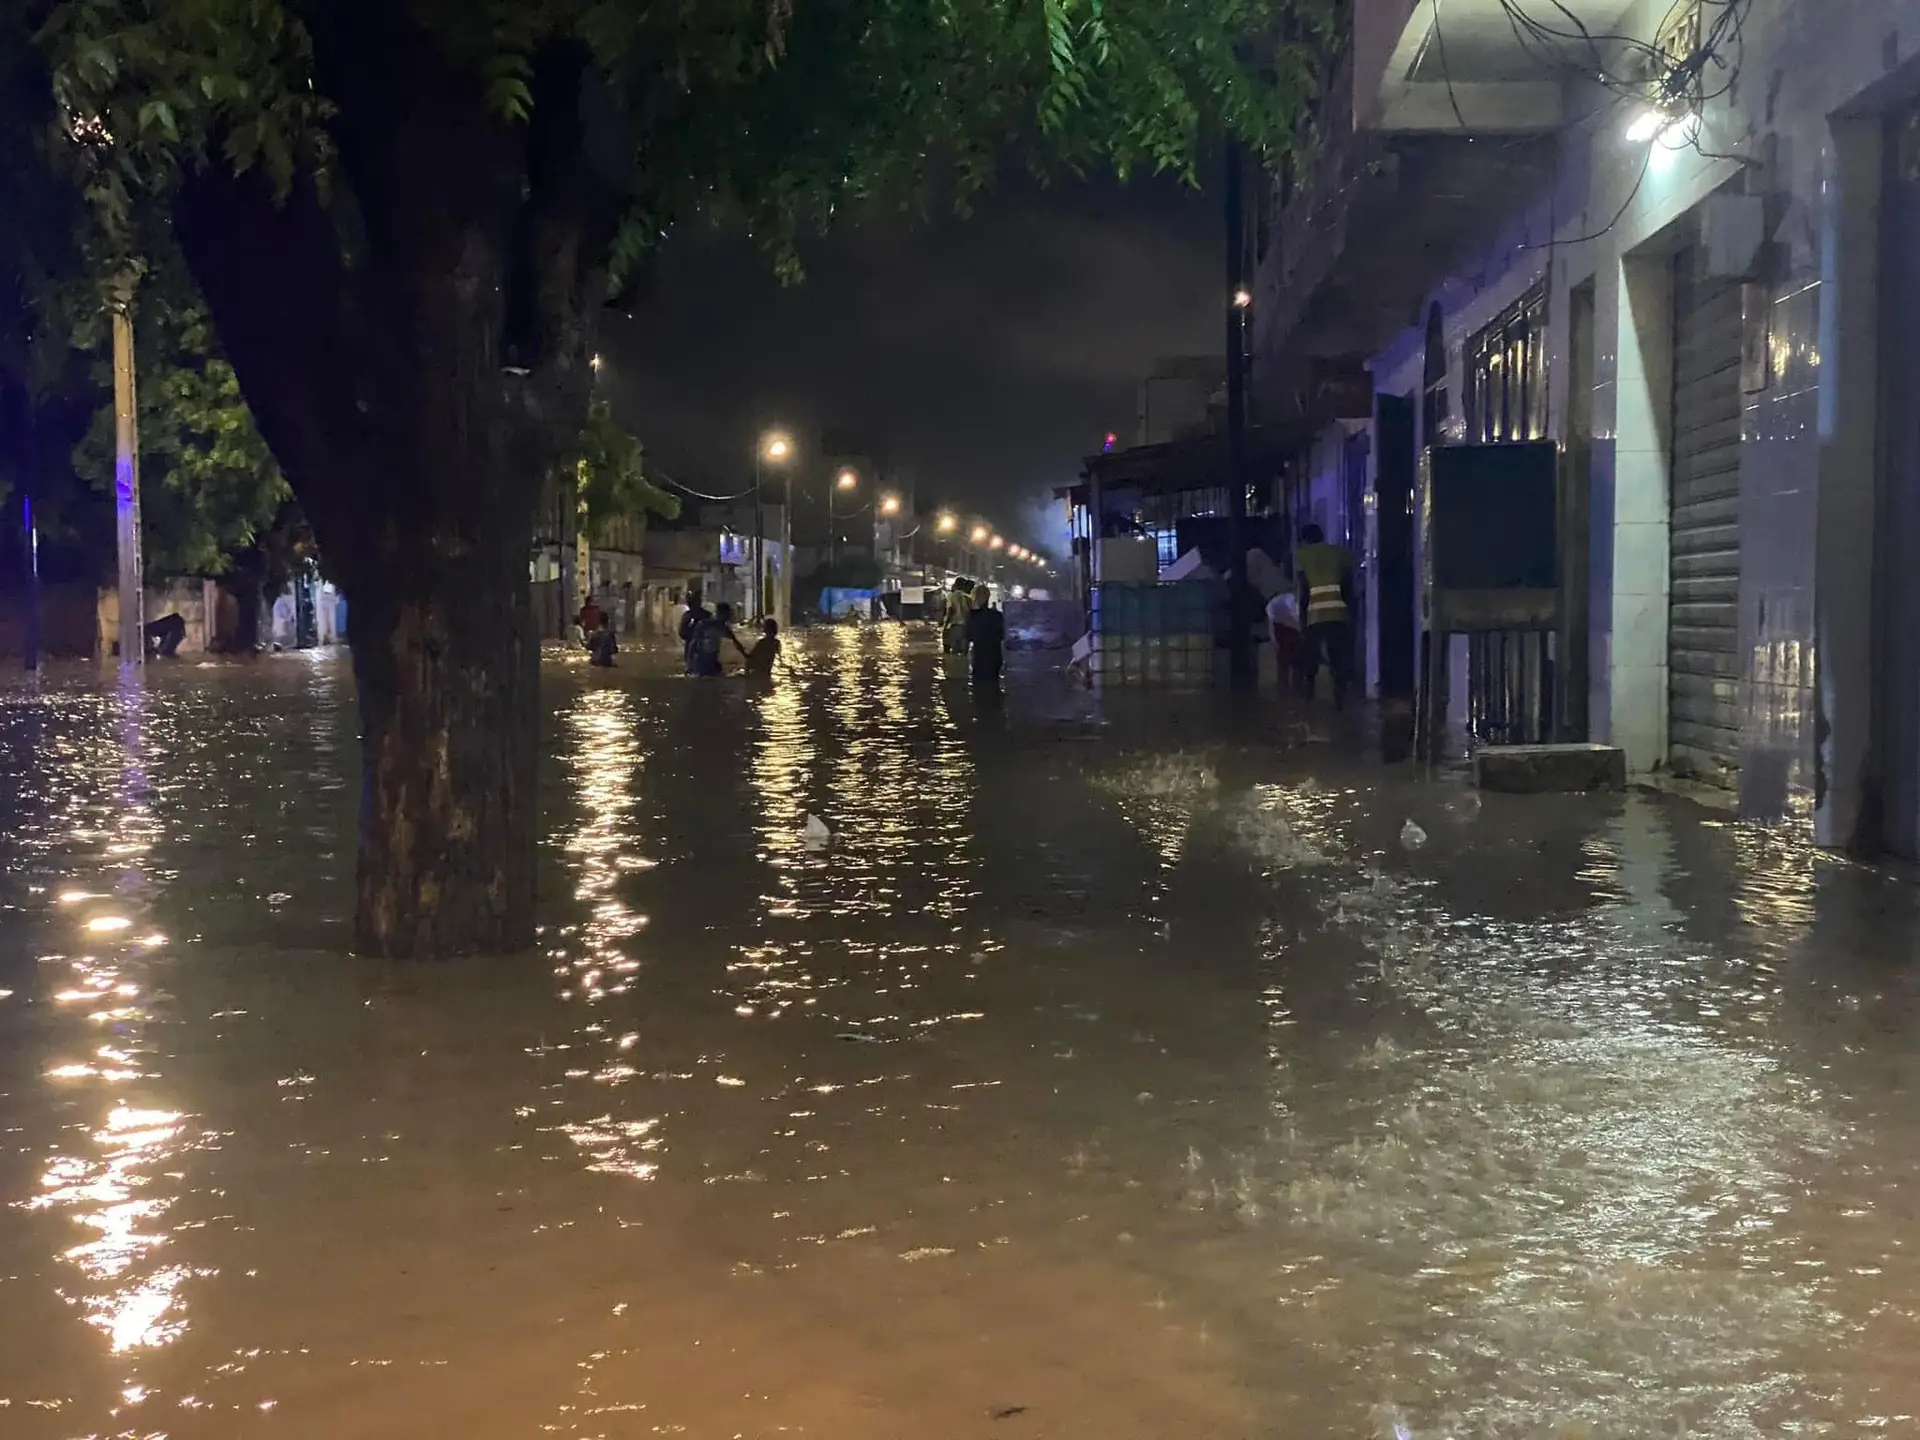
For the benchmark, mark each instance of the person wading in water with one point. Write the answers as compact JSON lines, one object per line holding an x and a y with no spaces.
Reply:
{"x":1326,"y":609}
{"x":708,"y":638}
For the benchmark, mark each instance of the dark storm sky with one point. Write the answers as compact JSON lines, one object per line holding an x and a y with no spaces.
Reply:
{"x":983,"y":357}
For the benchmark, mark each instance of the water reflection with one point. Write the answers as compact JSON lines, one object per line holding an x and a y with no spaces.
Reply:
{"x":850,"y":740}
{"x":598,"y":956}
{"x":606,"y":760}
{"x":119,"y":1177}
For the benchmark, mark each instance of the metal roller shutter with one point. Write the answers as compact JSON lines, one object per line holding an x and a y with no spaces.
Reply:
{"x":1703,"y":628}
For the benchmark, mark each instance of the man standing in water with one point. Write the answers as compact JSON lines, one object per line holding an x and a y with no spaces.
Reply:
{"x":1326,"y":611}
{"x":986,"y":640}
{"x":690,"y":623}
{"x":959,"y":616}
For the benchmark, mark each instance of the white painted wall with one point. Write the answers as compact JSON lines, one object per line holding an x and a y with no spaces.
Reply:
{"x":1812,"y":79}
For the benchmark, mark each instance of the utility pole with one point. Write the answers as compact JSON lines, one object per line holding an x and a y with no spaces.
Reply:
{"x":582,"y":539}
{"x":786,"y":554}
{"x":126,"y":485}
{"x":1239,"y":639}
{"x":759,"y":541}
{"x":31,"y":529}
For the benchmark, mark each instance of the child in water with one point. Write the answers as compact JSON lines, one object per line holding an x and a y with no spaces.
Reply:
{"x":602,"y":643}
{"x":766,"y":650}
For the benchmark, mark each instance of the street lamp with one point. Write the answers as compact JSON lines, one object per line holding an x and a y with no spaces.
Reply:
{"x":775,"y":448}
{"x":889,"y":507}
{"x":997,"y":543}
{"x":847,"y":479}
{"x":946,"y":524}
{"x":980,"y":533}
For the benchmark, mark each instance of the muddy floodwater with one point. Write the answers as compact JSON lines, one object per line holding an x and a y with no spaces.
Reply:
{"x":1111,"y":1072}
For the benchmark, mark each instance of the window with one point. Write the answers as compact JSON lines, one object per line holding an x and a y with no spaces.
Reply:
{"x":1506,"y":374}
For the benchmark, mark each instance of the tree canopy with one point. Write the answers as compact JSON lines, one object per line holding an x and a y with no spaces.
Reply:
{"x":779,"y":113}
{"x":210,"y":489}
{"x":212,"y":492}
{"x":615,"y":480}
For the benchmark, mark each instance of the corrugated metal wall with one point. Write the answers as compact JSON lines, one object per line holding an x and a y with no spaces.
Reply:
{"x":1703,"y":631}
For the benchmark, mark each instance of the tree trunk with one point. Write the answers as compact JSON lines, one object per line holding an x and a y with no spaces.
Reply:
{"x":446,"y":661}
{"x":418,"y":457}
{"x":416,"y":350}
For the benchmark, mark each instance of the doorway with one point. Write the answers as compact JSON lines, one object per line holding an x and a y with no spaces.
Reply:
{"x":1393,"y":489}
{"x":1576,"y":518}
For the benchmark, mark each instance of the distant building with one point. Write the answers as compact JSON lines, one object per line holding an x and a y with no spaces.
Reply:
{"x":1180,"y":397}
{"x":616,"y":566}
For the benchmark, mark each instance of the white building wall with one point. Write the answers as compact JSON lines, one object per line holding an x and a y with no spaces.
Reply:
{"x":1802,"y":115}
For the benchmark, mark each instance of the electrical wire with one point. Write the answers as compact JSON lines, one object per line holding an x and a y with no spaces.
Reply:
{"x":1551,"y":38}
{"x":1646,"y":165}
{"x":1674,"y":83}
{"x":1440,"y":54}
{"x":701,"y":494}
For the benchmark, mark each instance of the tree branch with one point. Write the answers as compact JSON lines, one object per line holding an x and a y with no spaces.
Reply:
{"x":578,"y":151}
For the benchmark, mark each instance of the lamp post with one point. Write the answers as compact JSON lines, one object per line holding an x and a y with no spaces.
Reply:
{"x":887,"y":508}
{"x":775,"y":448}
{"x":847,"y":479}
{"x":31,"y":529}
{"x":944,"y":524}
{"x":1241,"y":658}
{"x":126,"y":485}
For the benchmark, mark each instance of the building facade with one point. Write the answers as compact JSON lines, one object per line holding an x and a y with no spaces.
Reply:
{"x":1683,"y":243}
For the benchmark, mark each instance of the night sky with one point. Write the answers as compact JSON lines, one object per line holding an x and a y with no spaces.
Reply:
{"x":981,"y":357}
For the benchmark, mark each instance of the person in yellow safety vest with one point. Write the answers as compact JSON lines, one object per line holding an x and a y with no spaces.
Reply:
{"x":1326,"y":610}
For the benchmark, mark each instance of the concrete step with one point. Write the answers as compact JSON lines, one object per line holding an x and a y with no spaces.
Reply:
{"x":1550,"y":769}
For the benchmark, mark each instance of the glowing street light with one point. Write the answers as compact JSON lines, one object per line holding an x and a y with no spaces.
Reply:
{"x":997,"y":543}
{"x":1646,"y":126}
{"x":846,"y":480}
{"x":980,"y":533}
{"x":890,"y":505}
{"x":1242,"y":298}
{"x":946,"y":524}
{"x":775,"y":448}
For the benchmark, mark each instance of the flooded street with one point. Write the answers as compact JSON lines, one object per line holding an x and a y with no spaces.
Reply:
{"x":1109,"y":1074}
